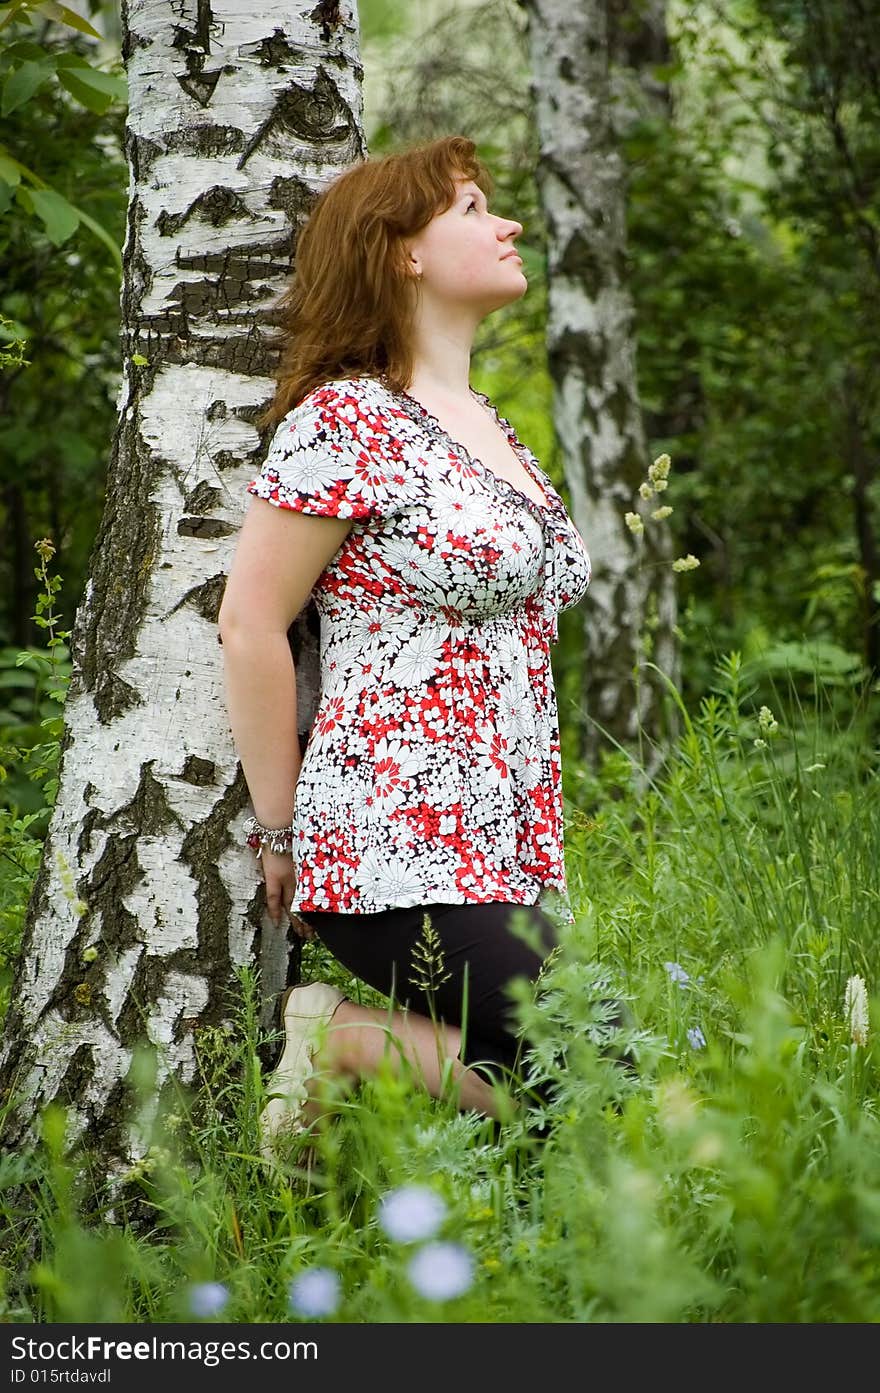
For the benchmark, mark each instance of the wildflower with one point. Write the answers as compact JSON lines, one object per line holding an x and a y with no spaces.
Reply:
{"x":441,"y":1270}
{"x":760,"y":744}
{"x":696,"y":1039}
{"x":661,"y":513}
{"x":411,"y":1212}
{"x":45,"y":549}
{"x":634,"y":523}
{"x":855,"y":1009}
{"x":659,"y":470}
{"x":646,"y":491}
{"x":685,"y":563}
{"x":207,"y":1298}
{"x":766,"y":721}
{"x":677,"y":973}
{"x":314,"y":1293}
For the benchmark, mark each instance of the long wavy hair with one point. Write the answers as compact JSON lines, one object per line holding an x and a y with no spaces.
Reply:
{"x":350,"y":307}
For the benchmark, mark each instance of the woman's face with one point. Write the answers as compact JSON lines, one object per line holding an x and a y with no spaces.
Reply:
{"x":464,"y":255}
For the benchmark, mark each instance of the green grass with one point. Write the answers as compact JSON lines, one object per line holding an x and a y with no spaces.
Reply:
{"x":729,"y":900}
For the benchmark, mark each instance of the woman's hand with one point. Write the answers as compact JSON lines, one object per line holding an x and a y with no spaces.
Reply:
{"x":279,"y":874}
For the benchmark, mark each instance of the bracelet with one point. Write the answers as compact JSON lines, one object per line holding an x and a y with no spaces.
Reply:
{"x":276,"y":838}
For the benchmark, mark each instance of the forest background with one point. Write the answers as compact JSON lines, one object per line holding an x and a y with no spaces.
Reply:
{"x":753,"y":257}
{"x":754,"y":264}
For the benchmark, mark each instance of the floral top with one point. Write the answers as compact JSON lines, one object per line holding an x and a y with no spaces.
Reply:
{"x":433,"y":769}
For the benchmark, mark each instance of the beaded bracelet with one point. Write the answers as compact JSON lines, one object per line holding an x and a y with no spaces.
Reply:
{"x":276,"y":838}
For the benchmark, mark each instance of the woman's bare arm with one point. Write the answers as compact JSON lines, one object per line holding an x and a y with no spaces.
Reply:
{"x":279,"y":555}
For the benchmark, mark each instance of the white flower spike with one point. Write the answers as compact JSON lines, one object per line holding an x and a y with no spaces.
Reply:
{"x":855,"y":1009}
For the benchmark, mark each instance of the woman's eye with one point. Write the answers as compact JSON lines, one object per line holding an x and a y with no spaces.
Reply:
{"x":471,"y":205}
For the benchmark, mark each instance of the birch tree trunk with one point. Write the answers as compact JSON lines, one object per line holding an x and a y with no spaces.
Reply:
{"x":580,"y":110}
{"x":147,"y":901}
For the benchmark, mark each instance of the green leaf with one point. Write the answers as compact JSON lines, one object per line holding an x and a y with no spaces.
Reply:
{"x":27,"y":198}
{"x":12,"y":331}
{"x":22,"y":83}
{"x":103,"y":235}
{"x":24,"y":48}
{"x":12,"y":13}
{"x":10,"y":171}
{"x":62,"y":15}
{"x":109,"y":84}
{"x":85,"y":93}
{"x":60,"y":218}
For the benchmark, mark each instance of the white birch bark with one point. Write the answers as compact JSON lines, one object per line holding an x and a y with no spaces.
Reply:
{"x":147,"y":900}
{"x":579,"y":110}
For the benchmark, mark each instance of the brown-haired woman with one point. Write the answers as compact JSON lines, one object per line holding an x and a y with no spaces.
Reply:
{"x":438,"y":554}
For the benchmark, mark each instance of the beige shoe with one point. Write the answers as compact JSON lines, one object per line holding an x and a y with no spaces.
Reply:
{"x":306,"y":1011}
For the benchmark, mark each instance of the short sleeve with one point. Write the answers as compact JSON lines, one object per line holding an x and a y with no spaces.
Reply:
{"x":329,"y":457}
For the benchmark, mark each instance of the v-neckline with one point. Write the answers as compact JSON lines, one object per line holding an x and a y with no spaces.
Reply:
{"x":548,"y":507}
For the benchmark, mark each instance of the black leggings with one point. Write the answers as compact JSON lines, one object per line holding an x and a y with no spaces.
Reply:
{"x":478,"y":949}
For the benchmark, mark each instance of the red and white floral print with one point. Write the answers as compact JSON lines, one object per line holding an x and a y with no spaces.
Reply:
{"x":433,"y":769}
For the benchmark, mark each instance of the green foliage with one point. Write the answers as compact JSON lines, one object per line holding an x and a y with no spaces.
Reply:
{"x":27,"y":66}
{"x":755,"y":275}
{"x":33,"y":686}
{"x":60,"y":302}
{"x":707,"y":1145}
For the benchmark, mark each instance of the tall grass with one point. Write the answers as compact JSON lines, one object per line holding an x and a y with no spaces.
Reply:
{"x":711,"y":1153}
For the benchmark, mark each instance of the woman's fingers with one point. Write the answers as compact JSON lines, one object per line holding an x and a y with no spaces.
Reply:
{"x":300,"y":927}
{"x":279,"y":898}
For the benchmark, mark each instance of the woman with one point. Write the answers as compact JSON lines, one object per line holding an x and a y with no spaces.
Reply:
{"x":438,"y":554}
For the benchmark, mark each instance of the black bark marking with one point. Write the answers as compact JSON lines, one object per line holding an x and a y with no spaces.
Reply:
{"x":195,"y":43}
{"x":198,"y":771}
{"x":84,"y":840}
{"x":580,"y":259}
{"x":623,"y":409}
{"x":267,"y":259}
{"x":204,"y":527}
{"x":207,"y":142}
{"x":108,"y":623}
{"x":588,"y":353}
{"x":292,"y":196}
{"x":149,"y":810}
{"x":203,"y":497}
{"x":249,"y":411}
{"x":275,"y":51}
{"x":212,"y":299}
{"x":231,"y":459}
{"x":77,"y":1076}
{"x":326,"y":13}
{"x":113,"y":697}
{"x":114,"y":875}
{"x":317,"y":116}
{"x":139,"y":279}
{"x":217,"y":206}
{"x":200,"y":86}
{"x":142,"y":154}
{"x":248,"y":354}
{"x":205,"y":599}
